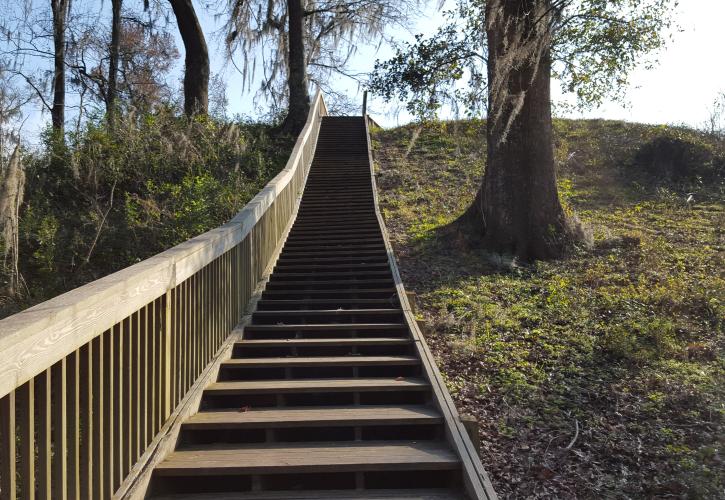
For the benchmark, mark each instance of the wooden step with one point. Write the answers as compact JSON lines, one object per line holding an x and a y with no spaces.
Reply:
{"x":312,"y":284}
{"x":336,"y":236}
{"x":396,"y":494}
{"x":328,"y":312}
{"x":282,"y":275}
{"x":333,"y":247}
{"x":344,"y":267}
{"x":324,"y":327}
{"x":317,"y":386}
{"x":389,"y":341}
{"x":314,"y":417}
{"x":331,"y":253}
{"x":335,"y":291}
{"x":295,"y":361}
{"x":266,"y":304}
{"x":309,"y":458}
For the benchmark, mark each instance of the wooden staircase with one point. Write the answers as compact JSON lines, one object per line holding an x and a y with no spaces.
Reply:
{"x":327,"y":394}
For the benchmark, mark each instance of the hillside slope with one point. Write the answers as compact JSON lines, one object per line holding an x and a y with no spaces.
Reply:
{"x":601,"y":375}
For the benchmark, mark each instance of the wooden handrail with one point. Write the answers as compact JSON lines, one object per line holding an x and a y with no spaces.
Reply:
{"x":113,"y":358}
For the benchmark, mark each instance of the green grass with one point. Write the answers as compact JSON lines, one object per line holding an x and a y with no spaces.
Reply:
{"x":624,"y":341}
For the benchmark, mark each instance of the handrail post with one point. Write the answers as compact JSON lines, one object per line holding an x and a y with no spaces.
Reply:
{"x":365,"y":104}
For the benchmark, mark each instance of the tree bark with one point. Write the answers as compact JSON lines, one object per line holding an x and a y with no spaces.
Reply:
{"x":57,"y":112}
{"x":196,"y":73}
{"x":114,"y":49}
{"x":299,"y":98}
{"x":517,"y":207}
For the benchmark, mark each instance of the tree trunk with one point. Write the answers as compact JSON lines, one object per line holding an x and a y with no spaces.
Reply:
{"x":299,"y":98}
{"x":57,"y":113}
{"x":196,"y":73}
{"x":517,"y":207}
{"x":112,"y":91}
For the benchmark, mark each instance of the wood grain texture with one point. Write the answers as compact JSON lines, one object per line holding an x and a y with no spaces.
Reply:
{"x":310,"y":457}
{"x":324,"y":342}
{"x":318,"y":385}
{"x":321,"y":361}
{"x":312,"y":417}
{"x":8,"y":485}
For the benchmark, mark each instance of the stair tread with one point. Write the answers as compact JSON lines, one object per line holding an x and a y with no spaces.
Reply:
{"x":325,"y":326}
{"x":418,"y":494}
{"x":309,"y":457}
{"x":319,"y":385}
{"x":310,"y":416}
{"x":327,"y":312}
{"x":323,"y":342}
{"x":351,"y":360}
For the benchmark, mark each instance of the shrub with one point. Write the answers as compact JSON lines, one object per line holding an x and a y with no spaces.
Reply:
{"x":679,"y":155}
{"x":106,"y":199}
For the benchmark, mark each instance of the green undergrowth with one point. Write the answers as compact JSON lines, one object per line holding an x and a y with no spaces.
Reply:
{"x":600,"y":375}
{"x":105,"y":199}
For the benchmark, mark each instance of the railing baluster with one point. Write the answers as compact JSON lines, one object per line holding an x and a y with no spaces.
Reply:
{"x":60,"y":430}
{"x":43,"y":403}
{"x":110,"y":422}
{"x":127,"y":382}
{"x":8,"y":484}
{"x":73,"y":398}
{"x":99,"y":439}
{"x":167,"y":357}
{"x":25,"y":408}
{"x":86,"y":423}
{"x":143,"y":380}
{"x":117,"y":350}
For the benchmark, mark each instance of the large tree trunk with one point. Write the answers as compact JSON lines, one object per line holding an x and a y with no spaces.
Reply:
{"x":196,"y":73}
{"x":114,"y":49}
{"x":517,"y":207}
{"x":60,"y":15}
{"x":299,"y":98}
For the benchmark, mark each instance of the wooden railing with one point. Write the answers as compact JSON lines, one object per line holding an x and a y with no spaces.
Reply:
{"x":89,"y":379}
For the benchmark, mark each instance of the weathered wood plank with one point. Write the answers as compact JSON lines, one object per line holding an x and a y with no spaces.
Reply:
{"x":43,"y":391}
{"x":73,"y":424}
{"x":321,"y":361}
{"x":312,"y":417}
{"x":319,"y":385}
{"x":428,"y":494}
{"x":310,"y":457}
{"x":8,"y":485}
{"x":60,"y":435}
{"x":382,"y":341}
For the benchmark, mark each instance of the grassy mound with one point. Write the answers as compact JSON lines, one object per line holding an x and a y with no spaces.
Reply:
{"x":598,"y":376}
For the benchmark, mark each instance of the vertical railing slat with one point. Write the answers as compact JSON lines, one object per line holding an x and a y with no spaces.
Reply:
{"x":117,"y":358}
{"x":167,"y":356}
{"x":43,"y":404}
{"x":73,"y":419}
{"x":60,"y":430}
{"x":86,"y":423}
{"x":8,"y":484}
{"x":127,"y":373}
{"x":26,"y":428}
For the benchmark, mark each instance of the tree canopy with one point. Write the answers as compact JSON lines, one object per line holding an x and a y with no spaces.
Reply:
{"x":595,"y":45}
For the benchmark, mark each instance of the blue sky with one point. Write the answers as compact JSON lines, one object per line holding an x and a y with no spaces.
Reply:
{"x":679,"y":90}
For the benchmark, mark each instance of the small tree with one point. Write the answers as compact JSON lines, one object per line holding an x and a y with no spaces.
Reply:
{"x":590,"y":45}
